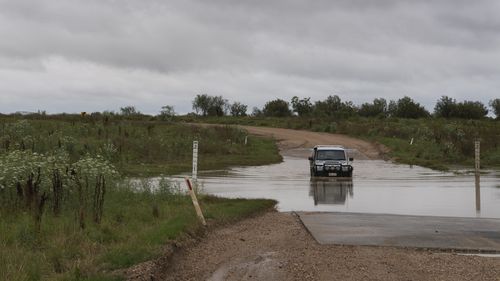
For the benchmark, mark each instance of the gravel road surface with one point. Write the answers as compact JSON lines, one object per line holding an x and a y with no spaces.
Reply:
{"x":276,"y":246}
{"x":289,"y":140}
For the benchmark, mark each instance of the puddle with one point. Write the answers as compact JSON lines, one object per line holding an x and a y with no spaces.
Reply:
{"x":377,"y":187}
{"x":483,"y":255}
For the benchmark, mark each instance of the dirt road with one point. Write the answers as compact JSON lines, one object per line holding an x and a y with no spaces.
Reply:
{"x":289,"y":139}
{"x":275,"y":246}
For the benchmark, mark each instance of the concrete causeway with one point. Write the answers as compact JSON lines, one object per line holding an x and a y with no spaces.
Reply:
{"x":443,"y":233}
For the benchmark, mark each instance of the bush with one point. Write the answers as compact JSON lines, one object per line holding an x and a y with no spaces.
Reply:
{"x":238,"y":109}
{"x":406,"y":107}
{"x":210,"y":105}
{"x":470,"y":110}
{"x":303,"y":107}
{"x":277,"y":108}
{"x":333,"y":106}
{"x":167,"y":113}
{"x":495,"y":104}
{"x":447,"y":107}
{"x":376,"y":109}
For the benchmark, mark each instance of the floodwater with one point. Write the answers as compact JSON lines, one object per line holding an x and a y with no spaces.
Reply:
{"x":377,"y":186}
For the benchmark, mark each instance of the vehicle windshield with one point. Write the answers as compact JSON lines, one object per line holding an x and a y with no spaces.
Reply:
{"x":330,"y":155}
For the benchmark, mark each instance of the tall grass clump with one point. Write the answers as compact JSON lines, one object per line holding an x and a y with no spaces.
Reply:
{"x":32,"y":182}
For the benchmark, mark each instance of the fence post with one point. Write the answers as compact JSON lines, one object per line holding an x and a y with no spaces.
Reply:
{"x":195,"y":202}
{"x":477,"y":175}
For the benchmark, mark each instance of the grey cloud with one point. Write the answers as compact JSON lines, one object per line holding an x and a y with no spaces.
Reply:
{"x":152,"y":52}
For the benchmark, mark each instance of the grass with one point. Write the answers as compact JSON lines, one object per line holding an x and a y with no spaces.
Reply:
{"x":258,"y":151}
{"x":438,"y":143}
{"x":129,"y":234}
{"x":138,"y":147}
{"x":421,"y":154}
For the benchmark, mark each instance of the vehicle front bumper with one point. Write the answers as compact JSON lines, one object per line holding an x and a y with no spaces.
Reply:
{"x":333,"y":170}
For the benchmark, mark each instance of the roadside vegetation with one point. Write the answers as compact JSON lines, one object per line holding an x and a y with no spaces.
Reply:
{"x":135,"y":227}
{"x":134,"y":144}
{"x":442,"y":139}
{"x":69,"y":209}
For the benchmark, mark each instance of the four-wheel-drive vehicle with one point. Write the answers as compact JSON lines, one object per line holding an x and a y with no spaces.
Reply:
{"x":330,"y":161}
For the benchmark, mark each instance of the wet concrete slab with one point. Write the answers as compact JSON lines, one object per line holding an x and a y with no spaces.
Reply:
{"x":443,"y":233}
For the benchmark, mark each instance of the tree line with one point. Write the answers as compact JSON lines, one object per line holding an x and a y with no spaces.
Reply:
{"x":333,"y":106}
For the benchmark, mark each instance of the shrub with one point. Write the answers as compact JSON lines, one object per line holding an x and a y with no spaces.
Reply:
{"x":406,"y":107}
{"x":495,"y":104}
{"x":277,"y":108}
{"x":238,"y":109}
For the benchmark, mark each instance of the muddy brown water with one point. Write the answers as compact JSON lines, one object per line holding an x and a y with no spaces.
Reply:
{"x":377,"y":186}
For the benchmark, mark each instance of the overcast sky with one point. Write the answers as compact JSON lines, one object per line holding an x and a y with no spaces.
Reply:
{"x":95,"y":55}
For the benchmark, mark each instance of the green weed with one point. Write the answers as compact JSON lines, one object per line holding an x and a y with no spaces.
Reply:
{"x":128,"y":234}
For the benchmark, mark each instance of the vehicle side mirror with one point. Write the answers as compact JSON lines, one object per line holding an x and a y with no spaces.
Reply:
{"x":351,"y":159}
{"x":310,"y":158}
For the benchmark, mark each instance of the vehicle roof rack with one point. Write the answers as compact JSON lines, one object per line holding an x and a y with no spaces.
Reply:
{"x":328,"y":146}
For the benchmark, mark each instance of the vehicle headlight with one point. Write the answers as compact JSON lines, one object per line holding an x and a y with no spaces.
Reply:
{"x":319,"y":168}
{"x":345,"y":168}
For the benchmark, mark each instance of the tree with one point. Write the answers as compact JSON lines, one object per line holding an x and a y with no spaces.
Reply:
{"x":391,"y":108}
{"x":201,"y":104}
{"x":333,"y":106}
{"x":129,"y":111}
{"x":238,"y":109}
{"x":256,"y":112}
{"x":167,"y":112}
{"x":470,"y":110}
{"x":328,"y":107}
{"x":445,"y":107}
{"x":347,"y":109}
{"x":495,"y":104}
{"x":210,"y":105}
{"x":277,"y":108}
{"x":303,"y":107}
{"x":448,"y":108}
{"x":217,"y":106}
{"x":377,"y":108}
{"x":406,"y":107}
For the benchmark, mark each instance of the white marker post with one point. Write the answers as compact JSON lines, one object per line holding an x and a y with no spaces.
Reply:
{"x":477,"y":175}
{"x":195,"y":164}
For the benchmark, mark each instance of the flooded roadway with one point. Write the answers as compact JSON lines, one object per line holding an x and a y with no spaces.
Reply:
{"x":377,"y":187}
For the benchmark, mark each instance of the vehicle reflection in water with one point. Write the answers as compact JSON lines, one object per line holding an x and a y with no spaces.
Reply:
{"x":333,"y":191}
